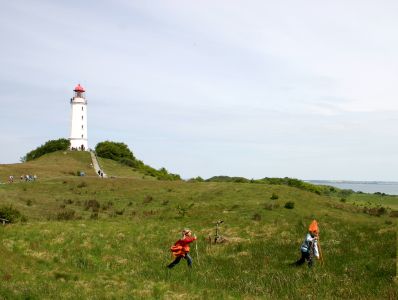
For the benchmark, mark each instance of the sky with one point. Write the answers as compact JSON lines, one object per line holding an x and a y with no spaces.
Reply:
{"x":303,"y":89}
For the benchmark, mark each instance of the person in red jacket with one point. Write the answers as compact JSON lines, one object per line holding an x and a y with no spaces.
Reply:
{"x":181,"y":248}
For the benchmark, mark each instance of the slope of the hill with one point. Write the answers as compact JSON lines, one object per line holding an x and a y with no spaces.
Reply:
{"x":116,"y":169}
{"x":63,"y":164}
{"x":88,"y":237}
{"x":51,"y":165}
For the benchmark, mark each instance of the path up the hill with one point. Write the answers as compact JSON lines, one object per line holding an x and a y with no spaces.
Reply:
{"x":96,"y":165}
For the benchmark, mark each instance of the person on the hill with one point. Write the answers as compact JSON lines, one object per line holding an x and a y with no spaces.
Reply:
{"x":181,"y":248}
{"x":308,"y":249}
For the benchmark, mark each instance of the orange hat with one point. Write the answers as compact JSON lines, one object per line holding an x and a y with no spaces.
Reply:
{"x":314,"y":227}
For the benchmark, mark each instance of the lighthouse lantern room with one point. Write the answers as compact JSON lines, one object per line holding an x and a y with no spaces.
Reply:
{"x":78,"y":132}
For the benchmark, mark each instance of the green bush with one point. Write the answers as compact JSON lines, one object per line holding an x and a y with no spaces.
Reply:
{"x":93,"y":204}
{"x":65,"y":215}
{"x":11,"y":214}
{"x":289,"y":205}
{"x":48,"y":147}
{"x":130,"y":162}
{"x":394,"y":214}
{"x":196,"y":179}
{"x":82,"y":184}
{"x":121,"y":153}
{"x":256,"y":217}
{"x":375,"y":211}
{"x":147,"y":199}
{"x":113,"y":150}
{"x":274,"y":196}
{"x":271,"y":206}
{"x":228,"y":179}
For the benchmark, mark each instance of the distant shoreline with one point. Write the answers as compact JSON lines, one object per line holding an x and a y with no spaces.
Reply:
{"x":351,"y":181}
{"x":387,"y":187}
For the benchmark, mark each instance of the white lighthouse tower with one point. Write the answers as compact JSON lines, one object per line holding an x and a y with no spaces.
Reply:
{"x":78,"y":130}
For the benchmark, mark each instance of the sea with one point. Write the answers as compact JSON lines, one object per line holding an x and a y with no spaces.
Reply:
{"x":387,"y":187}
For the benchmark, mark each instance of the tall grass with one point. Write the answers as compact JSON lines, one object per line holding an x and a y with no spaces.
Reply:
{"x":124,"y":256}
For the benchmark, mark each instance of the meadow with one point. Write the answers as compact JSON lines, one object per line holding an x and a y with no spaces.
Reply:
{"x":92,"y":238}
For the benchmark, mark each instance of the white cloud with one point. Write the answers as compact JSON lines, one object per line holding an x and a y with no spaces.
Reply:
{"x":248,"y":88}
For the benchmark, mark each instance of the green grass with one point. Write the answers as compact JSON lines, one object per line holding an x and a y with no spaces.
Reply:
{"x":53,"y":165}
{"x":374,"y":200}
{"x":116,"y":169}
{"x":121,"y":250}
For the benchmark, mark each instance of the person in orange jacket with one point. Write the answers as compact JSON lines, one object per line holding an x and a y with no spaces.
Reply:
{"x":181,"y":248}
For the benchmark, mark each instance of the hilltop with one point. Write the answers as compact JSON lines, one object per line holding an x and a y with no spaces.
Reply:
{"x":65,"y":164}
{"x":87,"y":237}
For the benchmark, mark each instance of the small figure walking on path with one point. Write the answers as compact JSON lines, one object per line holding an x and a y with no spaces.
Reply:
{"x":309,"y":247}
{"x":181,"y":248}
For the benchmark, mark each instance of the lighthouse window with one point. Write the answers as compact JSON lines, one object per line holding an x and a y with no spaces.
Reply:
{"x":82,"y":117}
{"x":82,"y":136}
{"x":82,"y":126}
{"x":82,"y":108}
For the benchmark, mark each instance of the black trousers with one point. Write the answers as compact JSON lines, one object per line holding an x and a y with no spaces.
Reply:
{"x":305,"y":256}
{"x":187,"y":257}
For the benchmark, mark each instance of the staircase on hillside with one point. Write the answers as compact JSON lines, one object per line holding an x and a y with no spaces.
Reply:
{"x":96,"y":165}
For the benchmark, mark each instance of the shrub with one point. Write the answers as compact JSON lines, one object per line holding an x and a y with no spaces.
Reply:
{"x":196,"y":179}
{"x":394,"y":214}
{"x":271,"y":206}
{"x":129,"y":162}
{"x":119,"y":212}
{"x":107,"y":205}
{"x":149,"y":213}
{"x":10,"y":213}
{"x":289,"y":205}
{"x":274,"y":196}
{"x":29,"y":202}
{"x":67,"y":214}
{"x":183,"y":210}
{"x":113,"y":150}
{"x":256,"y":217}
{"x":147,"y":199}
{"x":82,"y":184}
{"x":93,"y":204}
{"x":48,"y":147}
{"x":344,"y":200}
{"x":375,"y":211}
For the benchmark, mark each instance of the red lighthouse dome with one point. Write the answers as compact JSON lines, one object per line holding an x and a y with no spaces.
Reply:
{"x":79,"y":89}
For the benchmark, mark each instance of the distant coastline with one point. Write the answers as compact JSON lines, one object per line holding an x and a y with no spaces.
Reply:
{"x":387,"y":187}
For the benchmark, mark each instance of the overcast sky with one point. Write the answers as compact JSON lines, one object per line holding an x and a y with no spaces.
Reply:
{"x":304,"y":89}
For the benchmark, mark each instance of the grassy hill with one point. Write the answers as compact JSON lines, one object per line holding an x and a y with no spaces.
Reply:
{"x":62,"y":164}
{"x":87,"y":237}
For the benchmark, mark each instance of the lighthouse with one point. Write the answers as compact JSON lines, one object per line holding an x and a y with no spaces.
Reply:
{"x":78,"y":130}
